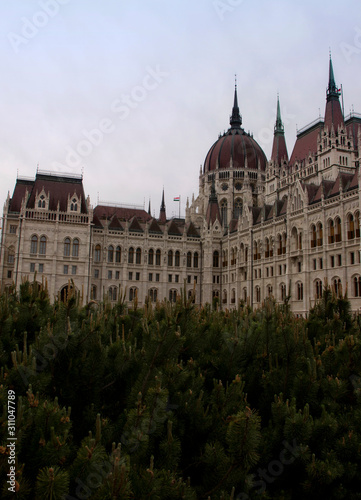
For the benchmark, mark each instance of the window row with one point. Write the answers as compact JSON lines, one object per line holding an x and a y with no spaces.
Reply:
{"x":114,"y":254}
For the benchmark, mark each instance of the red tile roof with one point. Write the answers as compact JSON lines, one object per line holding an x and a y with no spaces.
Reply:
{"x":19,"y":192}
{"x":123,"y":213}
{"x":306,"y":142}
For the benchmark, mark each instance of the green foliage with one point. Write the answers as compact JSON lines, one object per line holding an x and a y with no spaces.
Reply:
{"x":175,"y":401}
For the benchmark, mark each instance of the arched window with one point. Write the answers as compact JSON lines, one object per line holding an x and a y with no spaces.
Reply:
{"x":157,"y":257}
{"x":351,"y":227}
{"x":338,"y":231}
{"x":269,"y":290}
{"x":113,"y":293}
{"x":266,"y":253}
{"x":224,"y":297}
{"x":131,"y":257}
{"x":357,"y":286}
{"x":138,"y":256}
{"x":233,"y":296}
{"x":133,"y":293}
{"x":331,"y":231}
{"x":177,"y":258}
{"x":93,"y":292}
{"x":41,"y":203}
{"x":75,"y":247}
{"x":216,"y":258}
{"x":319,"y":235}
{"x":34,"y":244}
{"x":170,"y":258}
{"x":151,"y":257}
{"x":313,"y":236}
{"x":337,"y":287}
{"x":195,"y":259}
{"x":74,"y":205}
{"x":258,"y":294}
{"x":189,"y":259}
{"x":110,"y":253}
{"x":318,"y":289}
{"x":67,"y":247}
{"x":153,"y":294}
{"x":237,"y":208}
{"x":118,"y":254}
{"x":42,"y":246}
{"x":279,"y":245}
{"x":283,"y":291}
{"x":97,"y":253}
{"x":172,"y":295}
{"x":224,"y":213}
{"x":357,"y":224}
{"x":299,"y":291}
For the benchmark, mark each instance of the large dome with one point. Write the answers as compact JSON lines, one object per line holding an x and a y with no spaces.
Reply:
{"x":235,"y":148}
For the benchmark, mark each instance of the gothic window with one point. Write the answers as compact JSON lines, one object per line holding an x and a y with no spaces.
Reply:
{"x":318,"y":289}
{"x":41,"y":202}
{"x":216,"y":258}
{"x":11,"y":255}
{"x":258,"y":294}
{"x":357,"y":224}
{"x":299,"y":291}
{"x":74,"y":205}
{"x":233,"y":296}
{"x":319,"y":235}
{"x":93,"y":292}
{"x":237,"y":208}
{"x":133,"y":293}
{"x":67,"y":247}
{"x":267,"y":248}
{"x":153,"y":294}
{"x":195,"y":259}
{"x":110,"y":253}
{"x":151,"y":257}
{"x":42,"y":246}
{"x":131,"y":256}
{"x":224,"y":213}
{"x":313,"y":236}
{"x":113,"y":293}
{"x":138,"y":256}
{"x":189,"y":259}
{"x":338,"y":231}
{"x":75,"y":252}
{"x":97,"y":253}
{"x":269,"y":290}
{"x":157,"y":258}
{"x":279,"y":245}
{"x":177,"y":258}
{"x":170,"y":258}
{"x":357,"y":286}
{"x":351,"y":227}
{"x":34,"y":244}
{"x":224,"y":297}
{"x":337,"y":287}
{"x":283,"y":291}
{"x":331,"y":231}
{"x":172,"y":295}
{"x":118,"y":254}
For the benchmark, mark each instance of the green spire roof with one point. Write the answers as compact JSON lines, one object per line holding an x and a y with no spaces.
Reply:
{"x":279,"y":128}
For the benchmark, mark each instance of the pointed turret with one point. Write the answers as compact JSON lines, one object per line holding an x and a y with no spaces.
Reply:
{"x":213,"y":212}
{"x":279,"y":148}
{"x":149,"y":211}
{"x":333,"y":113}
{"x":235,"y":118}
{"x":162,"y":214}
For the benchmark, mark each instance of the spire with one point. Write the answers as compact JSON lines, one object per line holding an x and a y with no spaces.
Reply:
{"x":235,"y":119}
{"x":333,"y":112}
{"x":332,"y":91}
{"x":279,"y":148}
{"x":213,"y":212}
{"x":279,"y":125}
{"x":162,"y":214}
{"x":149,"y":211}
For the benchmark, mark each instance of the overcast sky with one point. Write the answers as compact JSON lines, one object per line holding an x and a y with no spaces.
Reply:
{"x":135,"y":92}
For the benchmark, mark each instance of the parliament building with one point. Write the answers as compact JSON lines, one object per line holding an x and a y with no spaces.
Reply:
{"x":283,"y":227}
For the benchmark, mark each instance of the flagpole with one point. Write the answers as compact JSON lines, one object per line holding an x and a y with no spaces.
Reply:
{"x":179,"y":205}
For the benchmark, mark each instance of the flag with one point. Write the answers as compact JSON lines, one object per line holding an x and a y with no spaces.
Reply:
{"x":176,"y":198}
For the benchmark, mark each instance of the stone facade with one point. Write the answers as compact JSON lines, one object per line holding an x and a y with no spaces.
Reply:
{"x":284,"y":227}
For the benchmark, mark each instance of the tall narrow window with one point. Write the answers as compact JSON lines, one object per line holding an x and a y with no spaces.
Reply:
{"x":195,"y":259}
{"x":224,"y":213}
{"x":97,"y":253}
{"x":131,"y":256}
{"x":138,"y":256}
{"x":157,"y":257}
{"x":189,"y":259}
{"x":110,"y":253}
{"x":67,"y":247}
{"x":118,"y":254}
{"x":151,"y":257}
{"x":34,"y":244}
{"x":75,"y":247}
{"x":216,"y":258}
{"x":170,"y":258}
{"x":177,"y":258}
{"x":42,"y":246}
